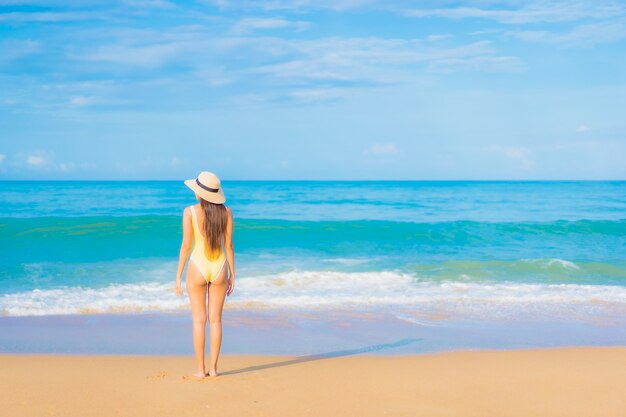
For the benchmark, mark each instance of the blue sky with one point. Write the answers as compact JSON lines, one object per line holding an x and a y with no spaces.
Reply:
{"x":345,"y":89}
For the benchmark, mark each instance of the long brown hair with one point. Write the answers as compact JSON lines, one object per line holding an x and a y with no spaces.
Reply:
{"x":213,"y":227}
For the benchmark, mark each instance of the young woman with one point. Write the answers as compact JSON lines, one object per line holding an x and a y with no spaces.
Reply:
{"x":209,"y":227}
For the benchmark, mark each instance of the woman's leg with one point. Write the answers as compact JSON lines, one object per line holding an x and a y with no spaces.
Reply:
{"x":197,"y":289}
{"x":217,"y":293}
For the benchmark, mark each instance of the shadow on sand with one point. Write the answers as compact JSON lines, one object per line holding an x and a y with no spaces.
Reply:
{"x":320,"y":356}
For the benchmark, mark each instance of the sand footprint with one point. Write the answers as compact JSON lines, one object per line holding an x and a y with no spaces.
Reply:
{"x":157,"y":376}
{"x":192,"y":378}
{"x":198,"y":378}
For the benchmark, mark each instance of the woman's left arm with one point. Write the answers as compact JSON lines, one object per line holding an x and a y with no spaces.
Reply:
{"x":230,"y":252}
{"x":185,"y":247}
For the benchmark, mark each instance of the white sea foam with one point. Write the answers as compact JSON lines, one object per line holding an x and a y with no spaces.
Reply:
{"x":76,"y":300}
{"x":332,"y":290}
{"x":555,"y":261}
{"x":348,"y":261}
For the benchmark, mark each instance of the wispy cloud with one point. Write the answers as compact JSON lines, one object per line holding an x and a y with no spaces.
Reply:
{"x":381,"y":60}
{"x":581,"y":35}
{"x":479,"y":63}
{"x":534,"y":11}
{"x":315,"y":95}
{"x":582,"y":128}
{"x":25,"y":17}
{"x":42,"y":160}
{"x":142,"y":55}
{"x":80,"y":101}
{"x":149,"y":4}
{"x":438,"y":37}
{"x":2,"y":158}
{"x":381,"y":149}
{"x":318,"y":69}
{"x":292,"y":5}
{"x":251,"y":24}
{"x":13,"y":49}
{"x":39,"y":159}
{"x":520,"y":154}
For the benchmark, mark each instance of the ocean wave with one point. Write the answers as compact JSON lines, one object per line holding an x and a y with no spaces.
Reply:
{"x":531,"y":270}
{"x":392,"y":290}
{"x":343,"y":243}
{"x":128,"y":226}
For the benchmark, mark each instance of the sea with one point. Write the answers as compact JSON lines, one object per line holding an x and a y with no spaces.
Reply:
{"x":420,"y":251}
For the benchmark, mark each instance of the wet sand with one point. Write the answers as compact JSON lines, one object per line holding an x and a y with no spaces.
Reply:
{"x":289,"y":333}
{"x":576,"y":381}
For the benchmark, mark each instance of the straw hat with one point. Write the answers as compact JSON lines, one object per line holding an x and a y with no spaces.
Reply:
{"x":208,"y":187}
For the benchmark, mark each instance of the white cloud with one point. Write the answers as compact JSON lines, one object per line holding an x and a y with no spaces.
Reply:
{"x":37,"y":159}
{"x":2,"y":157}
{"x":582,"y":35}
{"x":517,"y":153}
{"x":295,"y":5}
{"x":66,"y":166}
{"x":479,"y":63}
{"x":310,"y":95}
{"x":44,"y":161}
{"x":79,"y":101}
{"x":381,"y":149}
{"x":489,"y":31}
{"x":438,"y":37}
{"x":12,"y":49}
{"x":214,"y":76}
{"x":21,"y":17}
{"x":583,"y":128}
{"x":532,"y":12}
{"x":370,"y":58}
{"x":306,"y":67}
{"x":146,"y":4}
{"x":251,"y":24}
{"x":142,"y":55}
{"x":380,"y":60}
{"x":148,"y":48}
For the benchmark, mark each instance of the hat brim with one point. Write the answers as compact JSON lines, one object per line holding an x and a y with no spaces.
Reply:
{"x":215,"y":198}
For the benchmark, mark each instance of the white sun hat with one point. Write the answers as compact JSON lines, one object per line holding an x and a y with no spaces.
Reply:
{"x":208,"y":187}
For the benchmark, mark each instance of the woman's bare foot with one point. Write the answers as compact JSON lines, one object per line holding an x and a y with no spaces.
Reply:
{"x":212,"y":373}
{"x":199,"y":375}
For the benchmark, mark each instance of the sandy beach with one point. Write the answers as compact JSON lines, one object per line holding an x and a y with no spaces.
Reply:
{"x":577,"y":381}
{"x":421,"y":206}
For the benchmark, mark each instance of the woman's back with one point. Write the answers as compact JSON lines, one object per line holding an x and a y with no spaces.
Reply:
{"x":209,"y":262}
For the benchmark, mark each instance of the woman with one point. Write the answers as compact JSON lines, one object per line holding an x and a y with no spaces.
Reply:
{"x":209,"y":226}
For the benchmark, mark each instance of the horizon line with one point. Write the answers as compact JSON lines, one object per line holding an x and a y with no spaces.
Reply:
{"x":322,"y":180}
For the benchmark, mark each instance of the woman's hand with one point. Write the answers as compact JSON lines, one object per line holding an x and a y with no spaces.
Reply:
{"x":179,"y":290}
{"x":231,"y":285}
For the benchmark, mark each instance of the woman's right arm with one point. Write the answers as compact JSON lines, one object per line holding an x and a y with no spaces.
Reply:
{"x":185,"y":247}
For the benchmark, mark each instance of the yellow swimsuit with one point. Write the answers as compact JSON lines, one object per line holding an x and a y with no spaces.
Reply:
{"x":209,"y":268}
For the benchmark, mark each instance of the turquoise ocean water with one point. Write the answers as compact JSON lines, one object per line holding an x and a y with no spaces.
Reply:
{"x":477,"y":250}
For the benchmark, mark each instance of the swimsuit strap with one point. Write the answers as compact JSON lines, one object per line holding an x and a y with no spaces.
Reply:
{"x":196,"y":225}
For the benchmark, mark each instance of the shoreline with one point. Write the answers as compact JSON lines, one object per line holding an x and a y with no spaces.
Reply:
{"x":275,"y":332}
{"x":552,"y":382}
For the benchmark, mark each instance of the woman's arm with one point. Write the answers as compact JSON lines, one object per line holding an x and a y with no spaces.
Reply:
{"x":184,"y":249}
{"x":230,"y":252}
